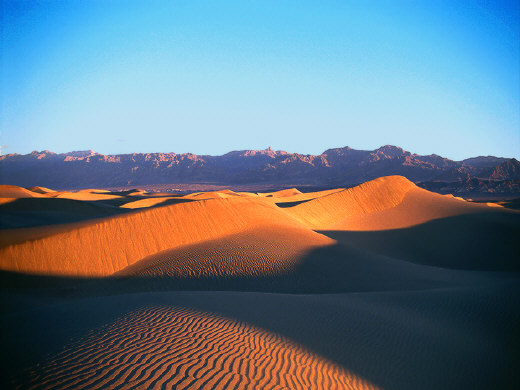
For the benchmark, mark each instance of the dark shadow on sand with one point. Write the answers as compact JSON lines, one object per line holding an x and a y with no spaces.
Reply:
{"x":484,"y":241}
{"x":291,"y":204}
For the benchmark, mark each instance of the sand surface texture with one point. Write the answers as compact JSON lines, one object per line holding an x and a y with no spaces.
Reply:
{"x":384,"y":285}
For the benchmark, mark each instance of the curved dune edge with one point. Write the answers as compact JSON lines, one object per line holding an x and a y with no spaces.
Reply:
{"x":175,"y":347}
{"x":109,"y":245}
{"x":416,"y":207}
{"x":258,"y":252}
{"x":376,"y":195}
{"x":148,"y":202}
{"x":299,"y":197}
{"x":282,"y":193}
{"x":8,"y":191}
{"x":89,"y":195}
{"x":103,"y":247}
{"x":40,"y":190}
{"x":212,"y":195}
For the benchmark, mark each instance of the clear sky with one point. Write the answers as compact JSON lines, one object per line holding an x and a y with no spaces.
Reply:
{"x":212,"y":76}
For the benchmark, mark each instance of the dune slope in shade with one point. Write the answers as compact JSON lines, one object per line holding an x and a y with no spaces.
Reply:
{"x":27,"y":212}
{"x":174,"y":347}
{"x":40,"y":190}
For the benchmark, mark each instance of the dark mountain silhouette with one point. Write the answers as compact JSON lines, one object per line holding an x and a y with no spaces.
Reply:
{"x":334,"y":167}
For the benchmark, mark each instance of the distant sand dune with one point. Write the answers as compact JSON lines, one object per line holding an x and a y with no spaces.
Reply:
{"x":7,"y":191}
{"x":383,"y":283}
{"x":212,"y":195}
{"x":90,"y":195}
{"x":41,"y":190}
{"x":297,"y":196}
{"x":104,"y":247}
{"x":151,"y":202}
{"x":375,"y":195}
{"x":416,"y":207}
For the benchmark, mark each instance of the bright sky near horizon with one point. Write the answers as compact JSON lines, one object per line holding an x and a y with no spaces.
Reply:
{"x":209,"y":77}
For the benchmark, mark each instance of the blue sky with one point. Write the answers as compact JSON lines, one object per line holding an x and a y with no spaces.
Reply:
{"x":213,"y":76}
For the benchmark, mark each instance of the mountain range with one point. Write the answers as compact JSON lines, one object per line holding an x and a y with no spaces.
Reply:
{"x":334,"y":167}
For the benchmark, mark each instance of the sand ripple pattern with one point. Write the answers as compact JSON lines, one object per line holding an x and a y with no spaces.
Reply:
{"x":177,"y":348}
{"x":265,"y":251}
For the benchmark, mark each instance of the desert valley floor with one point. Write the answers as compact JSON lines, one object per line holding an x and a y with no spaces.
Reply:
{"x":384,"y":285}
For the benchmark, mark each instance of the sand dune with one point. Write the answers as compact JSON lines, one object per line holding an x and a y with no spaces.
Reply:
{"x":112,"y":244}
{"x":416,"y":207}
{"x":430,"y":339}
{"x":262,"y":251}
{"x":293,"y":195}
{"x":381,"y":285}
{"x":285,"y":193}
{"x":376,"y":195}
{"x":152,"y":202}
{"x":478,"y":241}
{"x":212,"y":195}
{"x":40,"y":190}
{"x":386,"y":203}
{"x":7,"y":191}
{"x":172,"y":347}
{"x":88,"y":195}
{"x":276,"y":259}
{"x":108,"y":246}
{"x":23,"y":212}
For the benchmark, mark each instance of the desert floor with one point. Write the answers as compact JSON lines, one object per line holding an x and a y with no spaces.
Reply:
{"x":384,"y":285}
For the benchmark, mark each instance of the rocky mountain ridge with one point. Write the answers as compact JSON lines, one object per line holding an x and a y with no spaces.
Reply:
{"x":334,"y":167}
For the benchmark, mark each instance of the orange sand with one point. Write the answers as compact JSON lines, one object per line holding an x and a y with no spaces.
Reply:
{"x":373,"y":286}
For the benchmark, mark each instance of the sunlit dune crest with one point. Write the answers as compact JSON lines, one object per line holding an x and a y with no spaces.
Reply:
{"x":89,"y":195}
{"x":281,"y":193}
{"x":375,"y":195}
{"x":111,"y":244}
{"x":417,"y":206}
{"x":384,"y":283}
{"x":7,"y":191}
{"x":175,"y":347}
{"x":148,"y":202}
{"x":212,"y":195}
{"x":107,"y":245}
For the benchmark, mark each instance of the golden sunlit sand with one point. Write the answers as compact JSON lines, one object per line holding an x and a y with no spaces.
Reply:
{"x":384,"y":285}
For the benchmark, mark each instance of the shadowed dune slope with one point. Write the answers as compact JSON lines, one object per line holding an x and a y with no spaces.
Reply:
{"x":286,"y":193}
{"x":276,"y":259}
{"x":477,"y":241}
{"x":293,"y":195}
{"x":40,"y":190}
{"x":23,"y":212}
{"x":156,"y":201}
{"x":114,"y":243}
{"x":174,"y":347}
{"x":453,"y":338}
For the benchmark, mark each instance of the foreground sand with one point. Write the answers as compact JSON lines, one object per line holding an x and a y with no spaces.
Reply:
{"x":380,"y":286}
